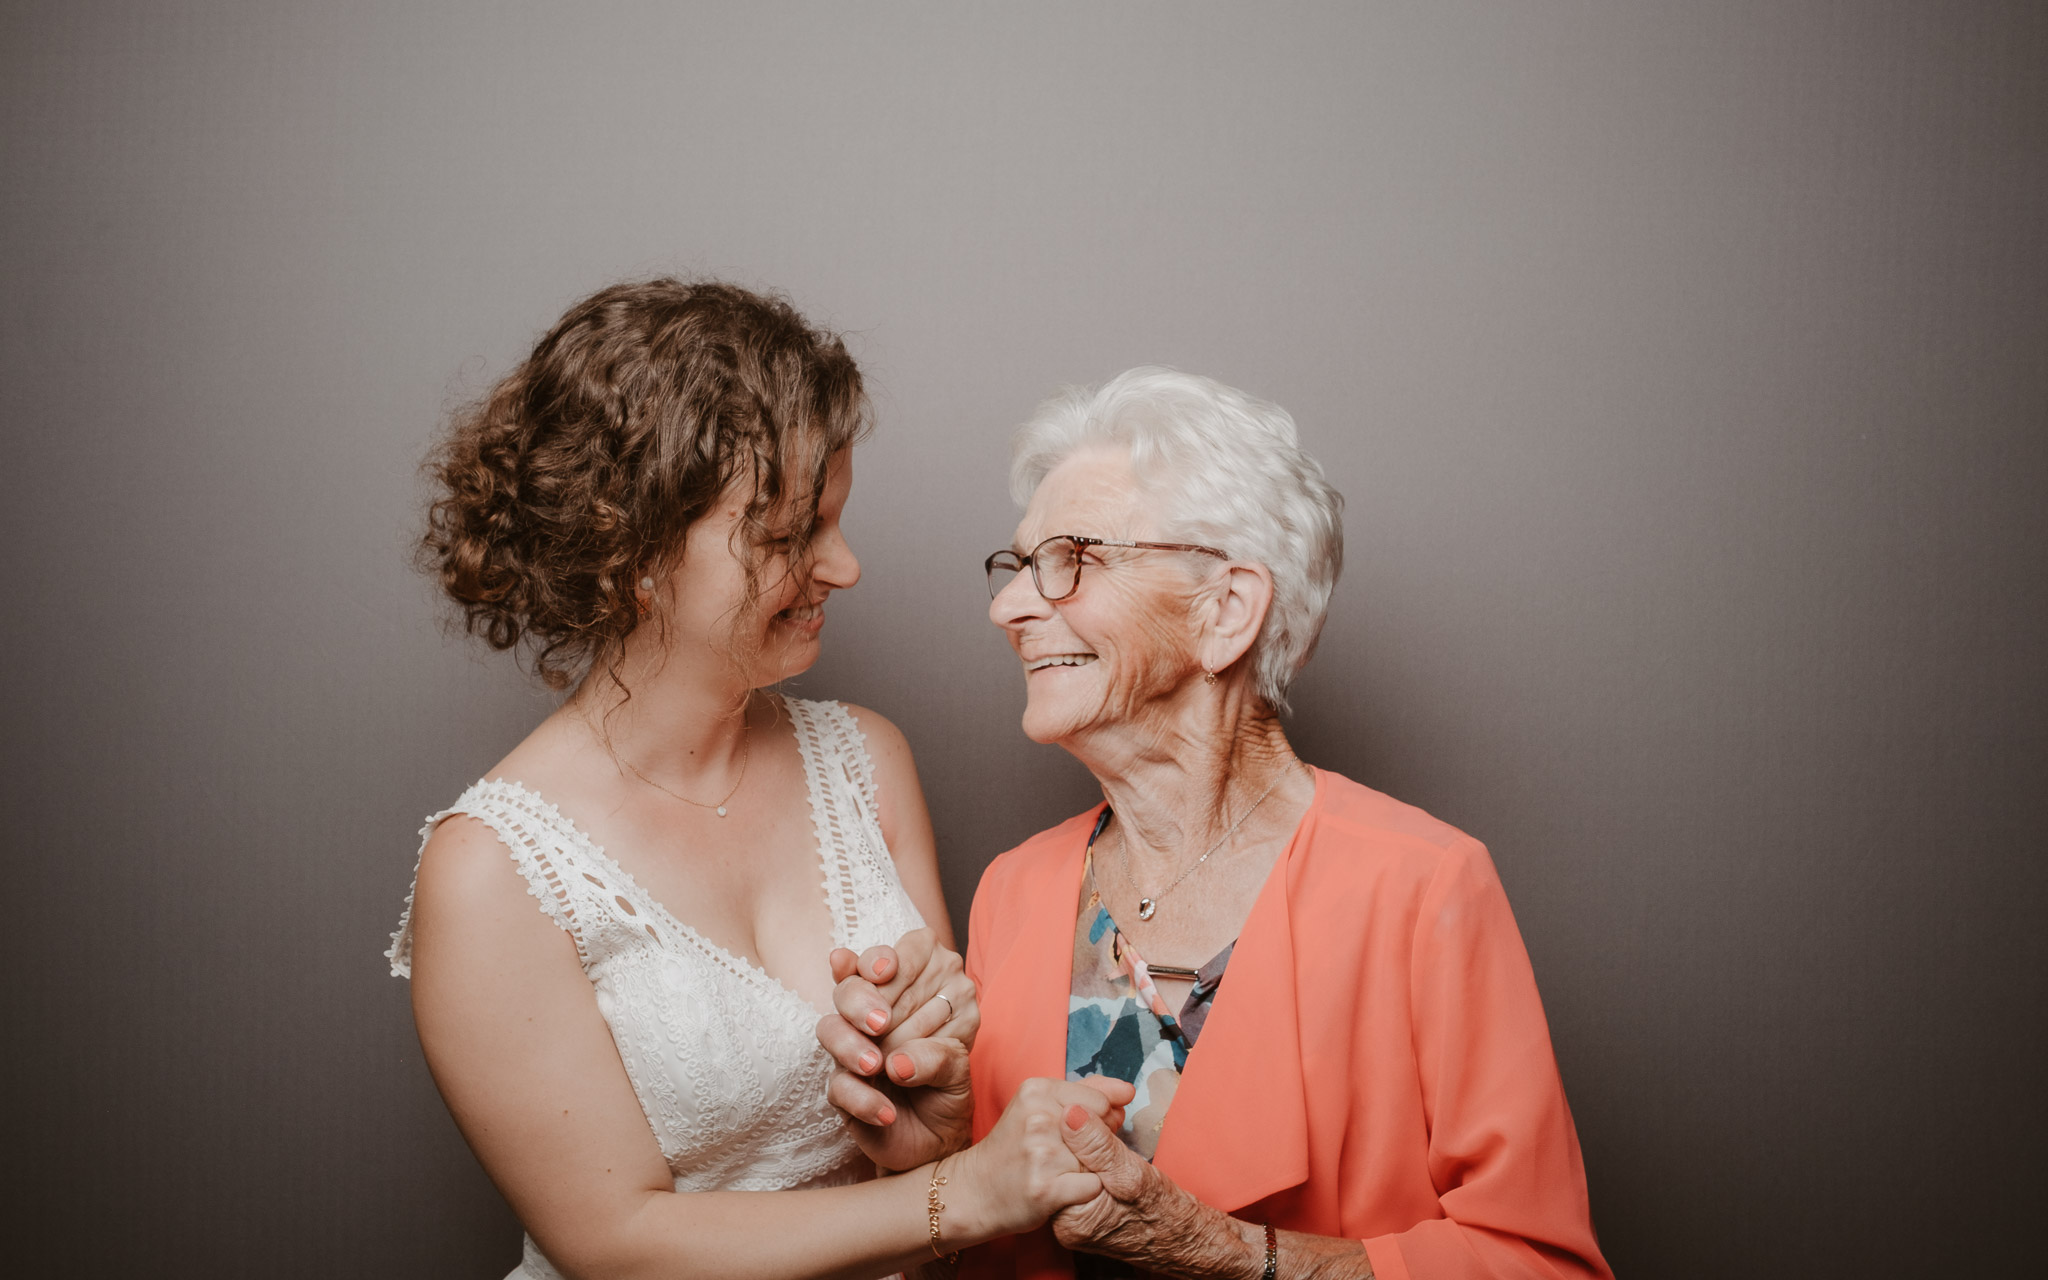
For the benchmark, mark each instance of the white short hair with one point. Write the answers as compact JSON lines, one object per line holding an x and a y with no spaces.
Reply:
{"x":1226,"y":471}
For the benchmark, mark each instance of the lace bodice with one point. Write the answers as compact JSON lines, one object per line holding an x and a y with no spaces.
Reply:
{"x":723,"y":1057}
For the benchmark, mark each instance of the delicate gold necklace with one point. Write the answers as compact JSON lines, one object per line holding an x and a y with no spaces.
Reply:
{"x":1148,"y":907}
{"x":746,"y":751}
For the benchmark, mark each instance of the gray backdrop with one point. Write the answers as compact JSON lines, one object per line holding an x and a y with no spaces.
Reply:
{"x":1683,"y":366}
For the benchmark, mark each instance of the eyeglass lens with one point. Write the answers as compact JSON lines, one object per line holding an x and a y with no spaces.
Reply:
{"x":1001,"y":568}
{"x":1057,"y":564}
{"x":1055,"y":569}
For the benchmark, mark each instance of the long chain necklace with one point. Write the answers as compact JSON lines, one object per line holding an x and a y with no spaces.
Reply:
{"x":1149,"y":907}
{"x":746,"y":751}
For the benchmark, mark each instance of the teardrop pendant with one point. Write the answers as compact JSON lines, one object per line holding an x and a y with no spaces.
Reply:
{"x":1146,"y":907}
{"x":721,"y":811}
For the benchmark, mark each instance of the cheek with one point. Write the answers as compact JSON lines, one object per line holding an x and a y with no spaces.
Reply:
{"x":1150,"y":652}
{"x":1153,"y":661}
{"x":779,"y":585}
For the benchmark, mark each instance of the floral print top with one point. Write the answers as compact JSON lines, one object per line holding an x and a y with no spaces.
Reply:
{"x":1117,"y":1023}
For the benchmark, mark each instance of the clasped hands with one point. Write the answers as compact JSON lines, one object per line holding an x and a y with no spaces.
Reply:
{"x":903,"y":1020}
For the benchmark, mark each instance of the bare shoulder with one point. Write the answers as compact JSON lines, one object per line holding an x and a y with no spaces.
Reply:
{"x":464,"y":853}
{"x":468,"y":883}
{"x":897,"y":790}
{"x":887,"y":746}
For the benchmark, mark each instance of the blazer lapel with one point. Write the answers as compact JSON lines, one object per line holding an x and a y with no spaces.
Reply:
{"x":1237,"y":1131}
{"x":1032,"y":983}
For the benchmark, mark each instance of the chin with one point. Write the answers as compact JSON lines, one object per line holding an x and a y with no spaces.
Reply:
{"x":783,"y":657}
{"x":795,"y":664}
{"x":1048,"y":723}
{"x":1042,"y":736}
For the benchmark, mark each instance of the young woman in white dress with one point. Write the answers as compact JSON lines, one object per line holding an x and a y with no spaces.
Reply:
{"x":621,"y":942}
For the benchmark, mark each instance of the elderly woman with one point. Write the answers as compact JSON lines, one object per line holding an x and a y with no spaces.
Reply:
{"x":1339,"y":1055}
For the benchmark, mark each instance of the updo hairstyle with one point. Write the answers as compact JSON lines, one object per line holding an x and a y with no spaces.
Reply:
{"x":1223,"y":469}
{"x":580,"y":472}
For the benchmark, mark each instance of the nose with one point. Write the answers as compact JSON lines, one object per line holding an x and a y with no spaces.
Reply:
{"x":1018,"y":602}
{"x":832,"y":560}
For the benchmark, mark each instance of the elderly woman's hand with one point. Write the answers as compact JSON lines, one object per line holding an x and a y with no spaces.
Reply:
{"x":904,"y":1018}
{"x":1144,"y":1218}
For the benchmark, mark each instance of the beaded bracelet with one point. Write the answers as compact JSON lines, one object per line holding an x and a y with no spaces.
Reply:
{"x":932,"y":1207}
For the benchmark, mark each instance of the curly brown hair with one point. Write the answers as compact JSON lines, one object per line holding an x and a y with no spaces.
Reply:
{"x":582,"y":469}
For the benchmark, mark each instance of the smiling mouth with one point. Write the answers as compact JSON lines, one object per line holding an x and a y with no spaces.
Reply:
{"x":802,"y":613}
{"x":1059,"y":660}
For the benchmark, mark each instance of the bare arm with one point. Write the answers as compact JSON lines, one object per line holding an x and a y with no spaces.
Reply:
{"x":514,"y":1038}
{"x":906,"y":823}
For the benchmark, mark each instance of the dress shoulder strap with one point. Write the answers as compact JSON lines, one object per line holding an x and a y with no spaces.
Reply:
{"x":831,"y":738}
{"x":544,"y":847}
{"x":862,"y":890}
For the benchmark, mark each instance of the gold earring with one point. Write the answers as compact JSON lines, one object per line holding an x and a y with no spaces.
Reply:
{"x":1208,"y":677}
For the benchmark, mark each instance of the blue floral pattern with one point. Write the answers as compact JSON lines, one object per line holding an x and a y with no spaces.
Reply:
{"x":1117,"y":1023}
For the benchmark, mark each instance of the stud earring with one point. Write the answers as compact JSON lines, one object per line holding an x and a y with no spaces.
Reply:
{"x":647,"y":584}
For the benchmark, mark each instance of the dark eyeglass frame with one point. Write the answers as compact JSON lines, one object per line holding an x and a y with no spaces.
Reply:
{"x":1014,"y":563}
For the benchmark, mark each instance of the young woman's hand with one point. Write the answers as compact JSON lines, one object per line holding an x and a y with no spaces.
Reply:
{"x":1023,"y":1172}
{"x":904,"y":1018}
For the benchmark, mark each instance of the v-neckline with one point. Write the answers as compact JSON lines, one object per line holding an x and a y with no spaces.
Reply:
{"x":748,"y":968}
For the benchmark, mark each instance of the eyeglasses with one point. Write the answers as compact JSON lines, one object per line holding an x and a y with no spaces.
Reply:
{"x":1056,"y":563}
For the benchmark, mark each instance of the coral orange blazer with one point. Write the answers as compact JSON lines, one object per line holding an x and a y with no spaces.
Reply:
{"x":1376,"y":1065}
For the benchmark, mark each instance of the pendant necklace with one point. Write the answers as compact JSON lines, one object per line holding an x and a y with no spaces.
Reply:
{"x":1149,"y":907}
{"x":746,"y":750}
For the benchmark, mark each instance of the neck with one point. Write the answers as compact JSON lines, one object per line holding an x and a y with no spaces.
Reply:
{"x":677,"y":718}
{"x":1179,"y":782}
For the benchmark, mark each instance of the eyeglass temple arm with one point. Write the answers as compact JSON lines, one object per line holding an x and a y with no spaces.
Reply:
{"x":1151,"y":546}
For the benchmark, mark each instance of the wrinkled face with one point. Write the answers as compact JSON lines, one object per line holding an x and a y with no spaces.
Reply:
{"x":1112,"y":653}
{"x":776,"y":636}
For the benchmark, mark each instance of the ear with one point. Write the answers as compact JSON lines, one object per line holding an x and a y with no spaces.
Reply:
{"x":1242,"y":593}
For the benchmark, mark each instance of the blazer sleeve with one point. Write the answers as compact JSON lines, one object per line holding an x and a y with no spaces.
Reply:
{"x":981,"y":920}
{"x":1503,"y":1154}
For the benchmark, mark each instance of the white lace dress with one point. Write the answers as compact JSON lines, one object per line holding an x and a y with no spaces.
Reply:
{"x":723,"y":1057}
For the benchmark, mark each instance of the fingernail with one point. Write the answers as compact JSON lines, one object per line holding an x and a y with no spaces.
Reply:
{"x":901,"y":1065}
{"x":888,"y":1114}
{"x":869,"y":1061}
{"x":878,"y":1018}
{"x":1077,"y":1115}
